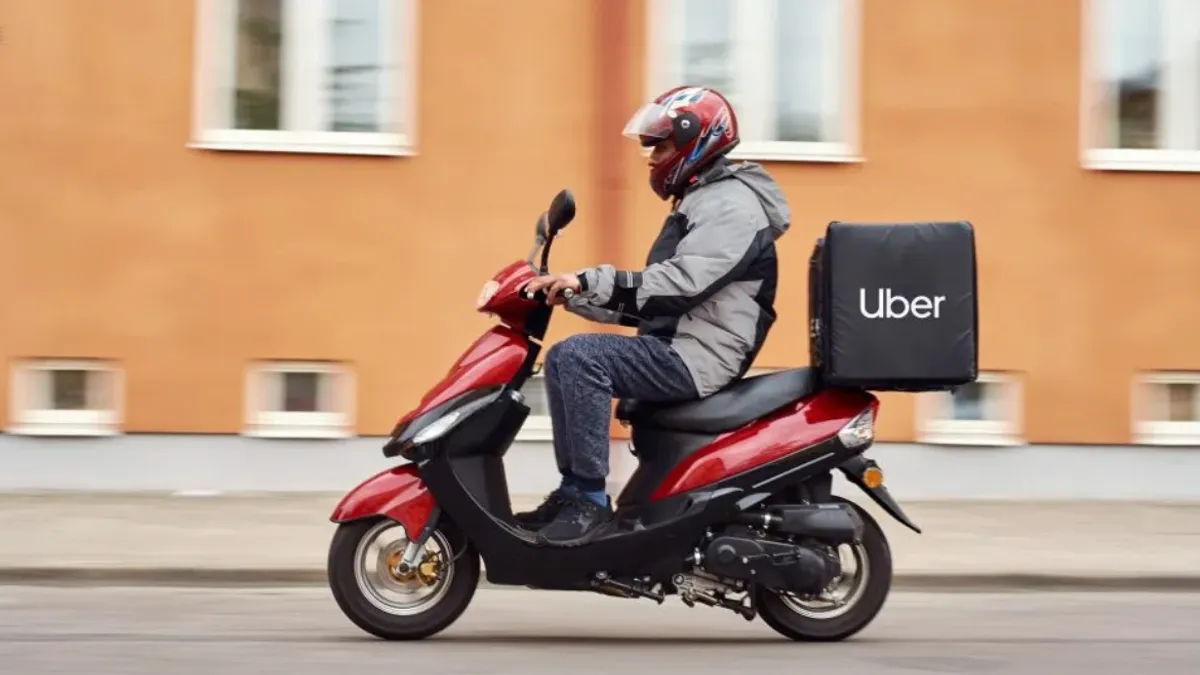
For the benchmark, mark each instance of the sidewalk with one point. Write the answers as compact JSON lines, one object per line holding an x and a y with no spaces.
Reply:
{"x":147,"y":538}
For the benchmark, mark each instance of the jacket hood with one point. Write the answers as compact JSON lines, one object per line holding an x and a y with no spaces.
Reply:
{"x":753,"y":176}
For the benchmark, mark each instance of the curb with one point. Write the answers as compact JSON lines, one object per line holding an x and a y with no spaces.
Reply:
{"x":266,"y":577}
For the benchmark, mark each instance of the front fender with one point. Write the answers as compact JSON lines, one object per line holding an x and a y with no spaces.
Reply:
{"x":397,"y":493}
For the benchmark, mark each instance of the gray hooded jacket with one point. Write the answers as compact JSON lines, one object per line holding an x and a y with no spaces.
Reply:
{"x":708,"y":287}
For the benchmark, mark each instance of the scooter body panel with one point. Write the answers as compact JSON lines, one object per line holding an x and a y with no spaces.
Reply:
{"x":493,"y":360}
{"x":812,"y":420}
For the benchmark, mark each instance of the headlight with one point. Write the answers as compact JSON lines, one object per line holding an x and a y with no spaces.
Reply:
{"x":859,"y":431}
{"x":438,"y":428}
{"x":487,"y":293}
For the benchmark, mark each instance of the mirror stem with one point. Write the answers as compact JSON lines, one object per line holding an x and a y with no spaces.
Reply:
{"x":546,"y":257}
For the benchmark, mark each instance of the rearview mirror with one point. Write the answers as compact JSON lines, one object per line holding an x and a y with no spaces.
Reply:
{"x":561,"y":212}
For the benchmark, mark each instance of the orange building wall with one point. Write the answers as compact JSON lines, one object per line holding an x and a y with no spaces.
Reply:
{"x":185,"y":263}
{"x":118,"y":241}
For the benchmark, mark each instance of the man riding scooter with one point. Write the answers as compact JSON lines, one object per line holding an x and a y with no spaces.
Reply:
{"x":703,"y":304}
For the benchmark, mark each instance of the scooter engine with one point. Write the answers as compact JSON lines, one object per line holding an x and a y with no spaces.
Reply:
{"x":778,"y":565}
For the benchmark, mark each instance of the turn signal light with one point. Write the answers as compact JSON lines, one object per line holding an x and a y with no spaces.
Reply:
{"x":873,"y":477}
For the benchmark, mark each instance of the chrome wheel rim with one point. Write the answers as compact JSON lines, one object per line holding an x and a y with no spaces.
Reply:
{"x":842,"y":594}
{"x":385,"y":587}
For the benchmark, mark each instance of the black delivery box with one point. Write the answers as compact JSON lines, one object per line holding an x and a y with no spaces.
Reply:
{"x":894,"y":307}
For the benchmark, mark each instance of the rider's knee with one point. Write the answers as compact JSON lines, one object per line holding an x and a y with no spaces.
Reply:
{"x":564,"y":351}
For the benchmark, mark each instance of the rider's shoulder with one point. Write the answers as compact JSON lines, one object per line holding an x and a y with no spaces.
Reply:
{"x":721,"y":196}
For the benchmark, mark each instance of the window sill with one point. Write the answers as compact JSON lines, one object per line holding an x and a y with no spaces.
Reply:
{"x":1167,"y":433}
{"x":536,"y":430}
{"x":1175,"y":161}
{"x":298,"y":432}
{"x":300,"y":426}
{"x":64,"y":423}
{"x":965,"y":433}
{"x":777,"y":151}
{"x":324,"y":143}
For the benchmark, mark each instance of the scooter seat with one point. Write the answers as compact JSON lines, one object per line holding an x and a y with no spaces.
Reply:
{"x":736,"y":405}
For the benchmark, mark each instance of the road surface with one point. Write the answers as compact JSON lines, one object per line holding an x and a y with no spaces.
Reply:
{"x":300,"y":632}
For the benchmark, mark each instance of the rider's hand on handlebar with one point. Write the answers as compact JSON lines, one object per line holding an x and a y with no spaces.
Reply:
{"x":554,"y":285}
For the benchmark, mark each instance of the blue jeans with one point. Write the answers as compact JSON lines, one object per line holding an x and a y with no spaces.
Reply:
{"x":584,"y":373}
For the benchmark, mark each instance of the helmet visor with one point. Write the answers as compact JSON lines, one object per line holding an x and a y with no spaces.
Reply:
{"x":650,"y":125}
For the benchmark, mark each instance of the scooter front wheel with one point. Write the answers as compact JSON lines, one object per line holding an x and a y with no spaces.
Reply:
{"x":370,"y":587}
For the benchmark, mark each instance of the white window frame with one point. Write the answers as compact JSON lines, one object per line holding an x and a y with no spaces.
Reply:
{"x":302,"y":103}
{"x":537,"y":428}
{"x":753,"y":21}
{"x":1162,"y":432}
{"x":936,"y":426}
{"x":1178,"y":113}
{"x":263,"y":423}
{"x":30,"y":421}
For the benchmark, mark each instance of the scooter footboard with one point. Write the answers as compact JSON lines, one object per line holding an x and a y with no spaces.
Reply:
{"x":398,"y":493}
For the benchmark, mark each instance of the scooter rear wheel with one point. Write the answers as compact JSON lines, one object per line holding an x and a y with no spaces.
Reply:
{"x":381,"y":600}
{"x":864,"y":594}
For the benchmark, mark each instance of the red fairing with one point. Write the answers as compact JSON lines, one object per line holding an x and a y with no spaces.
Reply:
{"x":508,"y":303}
{"x":806,"y":423}
{"x":492,"y":361}
{"x":397,"y":493}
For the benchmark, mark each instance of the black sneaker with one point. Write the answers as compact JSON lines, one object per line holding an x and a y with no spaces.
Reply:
{"x":541,"y":516}
{"x":577,"y":522}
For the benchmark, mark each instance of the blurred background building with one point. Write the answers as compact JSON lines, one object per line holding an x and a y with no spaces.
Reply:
{"x":239,"y":238}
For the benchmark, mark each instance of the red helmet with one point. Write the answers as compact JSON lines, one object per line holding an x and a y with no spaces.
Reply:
{"x":700,"y":122}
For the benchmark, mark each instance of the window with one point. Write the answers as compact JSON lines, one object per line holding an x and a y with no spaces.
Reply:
{"x":789,"y":67}
{"x":299,"y":400}
{"x":537,"y":426}
{"x":1142,"y":85}
{"x":984,"y":412}
{"x":66,"y":398}
{"x":1166,"y":409}
{"x":332,"y":76}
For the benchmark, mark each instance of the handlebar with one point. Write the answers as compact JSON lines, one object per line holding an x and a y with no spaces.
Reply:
{"x":540,"y":296}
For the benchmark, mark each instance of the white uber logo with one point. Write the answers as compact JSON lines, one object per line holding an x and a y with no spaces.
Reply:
{"x":890,"y":306}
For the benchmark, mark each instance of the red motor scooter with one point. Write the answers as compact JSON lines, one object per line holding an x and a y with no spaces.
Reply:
{"x":730,"y":505}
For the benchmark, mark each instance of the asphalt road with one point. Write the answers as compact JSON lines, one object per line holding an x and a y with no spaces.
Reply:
{"x":300,"y":632}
